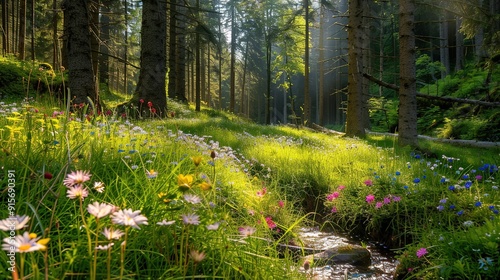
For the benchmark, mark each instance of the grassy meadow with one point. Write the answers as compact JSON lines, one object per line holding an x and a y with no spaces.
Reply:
{"x":210,"y":195}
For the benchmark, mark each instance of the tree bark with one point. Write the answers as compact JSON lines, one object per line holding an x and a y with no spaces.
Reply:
{"x":459,"y":42}
{"x":79,"y":58}
{"x":180,"y":66}
{"x":306,"y":119}
{"x":233,"y":59}
{"x":172,"y":50}
{"x":407,"y":125}
{"x":355,"y":100}
{"x":151,"y":84}
{"x":104,"y":46}
{"x":22,"y":30}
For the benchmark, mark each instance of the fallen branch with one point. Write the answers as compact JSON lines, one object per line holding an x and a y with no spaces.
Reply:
{"x":441,"y":98}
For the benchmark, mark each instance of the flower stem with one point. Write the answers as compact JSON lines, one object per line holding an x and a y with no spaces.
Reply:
{"x":122,"y":256}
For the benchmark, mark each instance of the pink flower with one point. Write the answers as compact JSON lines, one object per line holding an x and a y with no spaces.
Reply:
{"x":262,"y":192}
{"x":387,"y":200}
{"x":334,"y":209}
{"x":246,"y":231}
{"x":370,"y":198}
{"x":340,"y":187}
{"x":332,"y":196}
{"x":421,"y":252}
{"x":479,"y":177}
{"x":369,"y":183}
{"x":379,"y":204}
{"x":396,"y":199}
{"x":281,"y":204}
{"x":270,"y":223}
{"x":76,"y":178}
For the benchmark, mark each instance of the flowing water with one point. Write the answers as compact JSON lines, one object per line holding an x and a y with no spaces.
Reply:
{"x":383,"y":263}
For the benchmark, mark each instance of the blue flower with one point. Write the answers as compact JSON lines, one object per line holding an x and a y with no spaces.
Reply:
{"x":443,"y":201}
{"x":451,"y":188}
{"x":495,"y":212}
{"x":465,"y":176}
{"x":405,"y":187}
{"x":416,"y":180}
{"x":478,"y":204}
{"x":468,"y":184}
{"x":452,"y":207}
{"x":443,"y":180}
{"x":418,"y":156}
{"x":440,"y":208}
{"x":491,"y":207}
{"x":398,"y":173}
{"x":121,"y":151}
{"x":460,"y":213}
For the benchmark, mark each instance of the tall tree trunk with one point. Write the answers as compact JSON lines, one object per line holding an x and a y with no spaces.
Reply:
{"x":355,"y":100}
{"x":233,"y":59}
{"x":321,"y":66}
{"x":459,"y":42}
{"x":365,"y":49}
{"x":408,"y":90}
{"x":55,"y":37}
{"x":172,"y":50}
{"x":104,"y":47}
{"x":180,"y":65}
{"x":203,"y":84}
{"x":444,"y":51}
{"x":152,"y":74}
{"x":198,"y":62}
{"x":5,"y":27}
{"x":209,"y":75}
{"x":33,"y":27}
{"x":125,"y":48}
{"x":94,"y":36}
{"x":307,"y":95}
{"x":22,"y":30}
{"x":77,"y":34}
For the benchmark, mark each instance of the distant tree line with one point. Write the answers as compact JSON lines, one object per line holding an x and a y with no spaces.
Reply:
{"x":274,"y":61}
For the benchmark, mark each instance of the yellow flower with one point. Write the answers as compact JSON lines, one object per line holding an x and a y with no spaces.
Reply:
{"x":185,"y":182}
{"x":205,"y":186}
{"x":197,"y":160}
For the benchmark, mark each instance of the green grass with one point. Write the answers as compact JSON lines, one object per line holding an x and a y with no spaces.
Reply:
{"x":260,"y":176}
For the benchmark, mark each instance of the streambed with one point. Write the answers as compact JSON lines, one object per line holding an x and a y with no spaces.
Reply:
{"x":383,"y":263}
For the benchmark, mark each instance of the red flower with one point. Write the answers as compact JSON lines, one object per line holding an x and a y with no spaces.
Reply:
{"x":47,"y":175}
{"x":270,"y":223}
{"x":150,"y":104}
{"x":153,"y":110}
{"x":141,"y":100}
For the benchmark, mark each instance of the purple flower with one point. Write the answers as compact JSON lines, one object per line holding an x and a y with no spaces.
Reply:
{"x":379,"y":204}
{"x":370,"y":198}
{"x":368,"y":183}
{"x":442,"y":201}
{"x":479,"y":177}
{"x":440,"y":208}
{"x":191,"y":219}
{"x":421,"y":252}
{"x":387,"y":200}
{"x":396,"y":199}
{"x":332,"y":196}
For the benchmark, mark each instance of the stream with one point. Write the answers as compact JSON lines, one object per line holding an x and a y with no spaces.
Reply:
{"x":383,"y":263}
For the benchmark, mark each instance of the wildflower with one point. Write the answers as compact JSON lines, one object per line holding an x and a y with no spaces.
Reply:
{"x":405,"y":187}
{"x":334,"y":209}
{"x":191,"y":198}
{"x":370,"y":198}
{"x":205,"y":185}
{"x":191,"y":219}
{"x":440,"y":208}
{"x":151,"y":174}
{"x":340,"y":187}
{"x":451,"y":188}
{"x":387,"y":200}
{"x":368,"y":183}
{"x":479,"y":177}
{"x":99,"y":187}
{"x":111,"y":233}
{"x":165,"y":223}
{"x":443,"y":180}
{"x":128,"y":217}
{"x":378,"y":205}
{"x":99,"y":210}
{"x":270,"y":223}
{"x":281,"y":204}
{"x":421,"y":252}
{"x":184,"y":182}
{"x":105,"y":247}
{"x":28,"y":242}
{"x":197,"y":160}
{"x":398,"y":173}
{"x":332,"y":196}
{"x":213,"y":226}
{"x":14,"y":223}
{"x":478,"y":204}
{"x":197,"y":256}
{"x":468,"y":223}
{"x":443,"y":201}
{"x":452,"y":207}
{"x":396,"y":199}
{"x":465,"y":176}
{"x":77,"y":191}
{"x":494,"y":187}
{"x":47,"y":175}
{"x":460,"y":213}
{"x":246,"y":231}
{"x":251,"y":212}
{"x":76,"y":178}
{"x":416,"y":180}
{"x":468,"y":184}
{"x":262,"y":192}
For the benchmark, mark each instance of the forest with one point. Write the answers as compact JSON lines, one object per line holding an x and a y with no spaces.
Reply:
{"x":183,"y":139}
